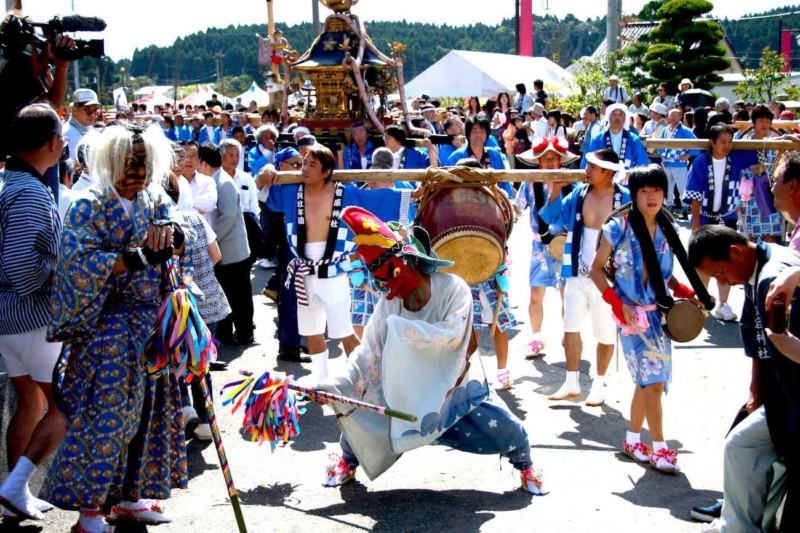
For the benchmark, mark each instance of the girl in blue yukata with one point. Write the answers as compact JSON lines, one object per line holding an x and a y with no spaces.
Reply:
{"x":632,"y":298}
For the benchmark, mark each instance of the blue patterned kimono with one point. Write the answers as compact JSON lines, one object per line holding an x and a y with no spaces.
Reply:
{"x":125,"y":437}
{"x":545,"y":271}
{"x":753,"y":223}
{"x":628,"y":262}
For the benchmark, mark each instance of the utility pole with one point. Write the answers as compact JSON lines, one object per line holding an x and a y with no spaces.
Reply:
{"x":220,"y":72}
{"x":315,"y":16}
{"x":76,"y":64}
{"x":612,"y":25}
{"x":175,"y":81}
{"x":516,"y":26}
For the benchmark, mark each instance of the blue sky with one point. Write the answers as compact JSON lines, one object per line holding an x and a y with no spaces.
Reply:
{"x":138,"y":24}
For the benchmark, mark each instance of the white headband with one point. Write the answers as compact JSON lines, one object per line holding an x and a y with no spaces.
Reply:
{"x":618,"y":168}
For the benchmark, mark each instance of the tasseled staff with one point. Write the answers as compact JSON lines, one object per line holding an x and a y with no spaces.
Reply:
{"x":182,"y":344}
{"x":271,"y":414}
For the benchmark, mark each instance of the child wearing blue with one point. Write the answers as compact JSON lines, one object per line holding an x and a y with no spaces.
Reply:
{"x":633,"y":299}
{"x":550,"y":154}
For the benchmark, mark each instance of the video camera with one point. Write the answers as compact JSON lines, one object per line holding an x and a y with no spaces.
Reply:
{"x":17,"y":33}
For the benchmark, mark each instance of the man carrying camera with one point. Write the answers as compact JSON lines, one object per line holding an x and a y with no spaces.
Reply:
{"x":771,"y":431}
{"x":82,"y":116}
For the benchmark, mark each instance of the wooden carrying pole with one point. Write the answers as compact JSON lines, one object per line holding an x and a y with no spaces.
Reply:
{"x":420,"y":174}
{"x":739,"y":144}
{"x":776,"y":124}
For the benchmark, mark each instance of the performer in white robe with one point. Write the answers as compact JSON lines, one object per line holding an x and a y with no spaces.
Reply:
{"x":426,"y":320}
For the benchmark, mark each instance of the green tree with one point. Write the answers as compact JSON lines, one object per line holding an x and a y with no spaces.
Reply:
{"x":682,"y":46}
{"x":591,"y":78}
{"x":761,"y":84}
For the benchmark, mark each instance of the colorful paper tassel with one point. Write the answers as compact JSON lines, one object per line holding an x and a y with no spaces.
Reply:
{"x":181,"y":342}
{"x":271,"y":412}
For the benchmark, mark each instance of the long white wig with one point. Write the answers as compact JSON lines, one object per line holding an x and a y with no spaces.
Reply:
{"x":108,"y":151}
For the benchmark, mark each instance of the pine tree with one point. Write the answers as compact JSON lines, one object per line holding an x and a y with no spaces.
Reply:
{"x":682,"y":46}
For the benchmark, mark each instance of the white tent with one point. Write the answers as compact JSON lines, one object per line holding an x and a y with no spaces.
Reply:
{"x":202,"y":94}
{"x":254,"y":93}
{"x":460,"y":74}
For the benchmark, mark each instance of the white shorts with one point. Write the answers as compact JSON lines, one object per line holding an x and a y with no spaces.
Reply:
{"x":29,"y":354}
{"x":582,"y":298}
{"x":329,"y":303}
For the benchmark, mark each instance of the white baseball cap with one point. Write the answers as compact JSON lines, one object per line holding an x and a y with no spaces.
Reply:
{"x":85,"y":97}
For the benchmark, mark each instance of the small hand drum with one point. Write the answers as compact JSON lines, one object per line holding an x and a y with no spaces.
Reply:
{"x":684,"y":321}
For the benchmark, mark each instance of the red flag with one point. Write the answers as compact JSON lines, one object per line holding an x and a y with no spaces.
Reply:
{"x":786,"y":50}
{"x":526,"y":28}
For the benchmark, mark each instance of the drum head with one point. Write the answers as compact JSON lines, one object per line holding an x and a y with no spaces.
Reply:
{"x":477,"y":253}
{"x":556,"y":246}
{"x":685,"y":321}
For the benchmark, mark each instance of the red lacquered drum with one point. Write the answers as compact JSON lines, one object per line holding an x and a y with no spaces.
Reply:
{"x":468,"y":224}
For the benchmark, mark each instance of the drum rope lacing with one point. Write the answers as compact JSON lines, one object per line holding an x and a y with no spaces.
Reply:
{"x":437,"y":179}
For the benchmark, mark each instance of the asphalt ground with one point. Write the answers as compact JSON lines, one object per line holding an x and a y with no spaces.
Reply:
{"x":593,"y":488}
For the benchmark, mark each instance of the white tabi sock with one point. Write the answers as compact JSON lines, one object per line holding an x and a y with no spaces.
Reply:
{"x":17,"y":480}
{"x":319,"y":365}
{"x":91,"y":523}
{"x":632,"y":438}
{"x":660,"y":445}
{"x":537,"y":336}
{"x":599,"y":381}
{"x":573,"y":379}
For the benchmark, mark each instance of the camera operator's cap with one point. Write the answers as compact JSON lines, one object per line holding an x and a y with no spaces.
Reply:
{"x":83,"y":97}
{"x":661,"y":109}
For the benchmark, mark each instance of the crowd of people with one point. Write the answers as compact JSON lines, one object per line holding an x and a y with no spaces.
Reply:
{"x":86,"y":262}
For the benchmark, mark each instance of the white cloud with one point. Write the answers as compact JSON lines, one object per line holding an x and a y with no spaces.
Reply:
{"x":138,"y":24}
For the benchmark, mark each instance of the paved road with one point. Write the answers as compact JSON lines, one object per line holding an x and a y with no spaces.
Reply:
{"x":593,"y":488}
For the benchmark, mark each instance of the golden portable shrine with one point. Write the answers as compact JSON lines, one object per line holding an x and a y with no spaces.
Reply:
{"x":349,"y":77}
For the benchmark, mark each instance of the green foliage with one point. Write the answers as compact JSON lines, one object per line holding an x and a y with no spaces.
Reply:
{"x":792,"y":91}
{"x":193,"y":57}
{"x":591,"y":78}
{"x":649,"y":10}
{"x":749,"y":37}
{"x":690,"y":51}
{"x":761,"y":84}
{"x":684,"y":10}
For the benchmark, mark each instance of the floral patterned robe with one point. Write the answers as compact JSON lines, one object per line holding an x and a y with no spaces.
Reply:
{"x":124,"y":436}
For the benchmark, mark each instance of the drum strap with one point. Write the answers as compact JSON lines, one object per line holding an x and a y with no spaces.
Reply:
{"x":538,"y":203}
{"x":664,"y":220}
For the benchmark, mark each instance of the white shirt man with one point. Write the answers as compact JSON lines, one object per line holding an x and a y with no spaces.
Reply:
{"x":615,"y":91}
{"x":204,"y":188}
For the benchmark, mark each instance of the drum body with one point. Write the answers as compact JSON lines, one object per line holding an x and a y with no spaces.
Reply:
{"x":556,"y":246}
{"x":684,"y":321}
{"x":469,"y":226}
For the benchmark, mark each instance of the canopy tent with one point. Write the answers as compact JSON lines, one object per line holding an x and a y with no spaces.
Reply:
{"x":460,"y":74}
{"x":254,"y":93}
{"x":201,"y":95}
{"x":153,"y":95}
